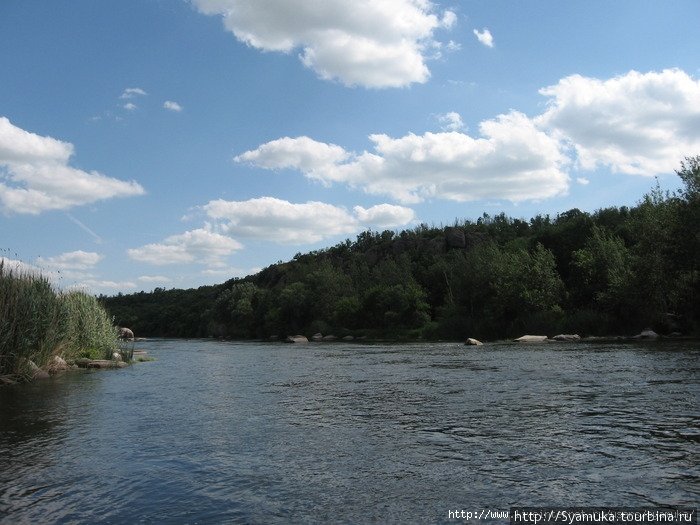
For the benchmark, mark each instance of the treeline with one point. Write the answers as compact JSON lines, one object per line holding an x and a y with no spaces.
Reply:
{"x":614,"y":271}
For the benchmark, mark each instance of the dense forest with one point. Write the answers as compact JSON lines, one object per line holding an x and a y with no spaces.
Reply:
{"x":615,"y":271}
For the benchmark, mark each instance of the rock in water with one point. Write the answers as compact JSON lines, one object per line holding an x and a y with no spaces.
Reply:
{"x":297,"y":339}
{"x":531,"y":339}
{"x":125,"y":333}
{"x":567,"y":337}
{"x":473,"y":342}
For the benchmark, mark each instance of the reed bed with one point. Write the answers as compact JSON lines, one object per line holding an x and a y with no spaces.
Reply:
{"x":37,"y":321}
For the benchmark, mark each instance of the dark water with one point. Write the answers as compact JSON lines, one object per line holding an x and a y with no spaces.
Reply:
{"x":217,"y":432}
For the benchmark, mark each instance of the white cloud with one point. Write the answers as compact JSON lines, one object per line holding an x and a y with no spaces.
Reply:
{"x":451,"y":121}
{"x":583,"y":181}
{"x":511,"y":160}
{"x":154,"y":279}
{"x":132,"y":93}
{"x":271,"y":219}
{"x":453,"y":46}
{"x":484,"y":37}
{"x":384,"y":215}
{"x":100,"y":286}
{"x":637,"y":123}
{"x":20,"y":267}
{"x":130,"y":106}
{"x":300,"y":153}
{"x":371,"y":43}
{"x":35,"y":175}
{"x":228,"y":272}
{"x":200,"y":246}
{"x":172,"y":106}
{"x":77,"y":260}
{"x":281,"y":221}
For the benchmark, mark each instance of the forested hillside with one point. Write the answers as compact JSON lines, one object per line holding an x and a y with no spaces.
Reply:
{"x":614,"y":271}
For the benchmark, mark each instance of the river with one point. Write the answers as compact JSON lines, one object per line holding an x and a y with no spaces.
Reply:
{"x":222,"y":432}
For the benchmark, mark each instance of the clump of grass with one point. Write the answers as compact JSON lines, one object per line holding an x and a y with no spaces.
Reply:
{"x":37,"y":322}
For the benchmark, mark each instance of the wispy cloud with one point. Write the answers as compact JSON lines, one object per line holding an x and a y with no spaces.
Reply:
{"x":96,"y":237}
{"x":172,"y":106}
{"x":132,"y":93}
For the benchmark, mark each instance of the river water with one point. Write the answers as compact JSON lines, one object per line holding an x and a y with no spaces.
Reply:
{"x":219,"y":432}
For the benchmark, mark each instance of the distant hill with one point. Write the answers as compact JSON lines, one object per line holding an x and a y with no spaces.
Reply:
{"x":617,"y":270}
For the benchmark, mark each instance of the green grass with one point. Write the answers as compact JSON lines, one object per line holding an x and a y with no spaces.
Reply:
{"x":37,"y":322}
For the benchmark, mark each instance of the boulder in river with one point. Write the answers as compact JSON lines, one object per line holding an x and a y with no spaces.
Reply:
{"x":647,"y":334}
{"x":57,"y":364}
{"x":567,"y":337}
{"x":473,"y":342}
{"x":126,"y":334}
{"x":296,"y":339}
{"x":531,"y":339}
{"x":317,"y":337}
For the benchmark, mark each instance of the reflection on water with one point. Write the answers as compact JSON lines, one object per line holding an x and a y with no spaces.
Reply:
{"x":264,"y":433}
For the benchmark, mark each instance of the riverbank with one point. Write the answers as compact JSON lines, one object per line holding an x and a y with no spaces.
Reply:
{"x":42,"y":327}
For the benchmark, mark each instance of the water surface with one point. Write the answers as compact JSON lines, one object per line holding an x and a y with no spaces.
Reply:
{"x":271,"y":433}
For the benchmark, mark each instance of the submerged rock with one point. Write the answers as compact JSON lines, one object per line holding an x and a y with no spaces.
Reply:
{"x":531,"y":339}
{"x":348,"y":338}
{"x":473,"y":342}
{"x":317,"y":337}
{"x":329,"y":337}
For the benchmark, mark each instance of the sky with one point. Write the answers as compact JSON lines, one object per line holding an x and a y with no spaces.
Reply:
{"x":175,"y":144}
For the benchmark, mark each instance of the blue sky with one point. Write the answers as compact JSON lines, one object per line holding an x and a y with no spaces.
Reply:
{"x":178,"y":143}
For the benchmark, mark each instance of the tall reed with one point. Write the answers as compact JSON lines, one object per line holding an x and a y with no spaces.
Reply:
{"x":37,"y":322}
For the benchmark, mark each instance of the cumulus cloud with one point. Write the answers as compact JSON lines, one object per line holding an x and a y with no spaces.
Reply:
{"x":300,"y":153}
{"x":277,"y":220}
{"x":195,"y":246}
{"x":35,"y":175}
{"x":451,"y":121}
{"x":583,"y":181}
{"x":77,"y":260}
{"x":172,"y":106}
{"x":132,"y":93}
{"x":371,"y":43}
{"x":636,"y":123}
{"x":484,"y":37}
{"x":130,"y":106}
{"x":384,"y":215}
{"x":20,"y":267}
{"x":281,"y":221}
{"x":511,"y":160}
